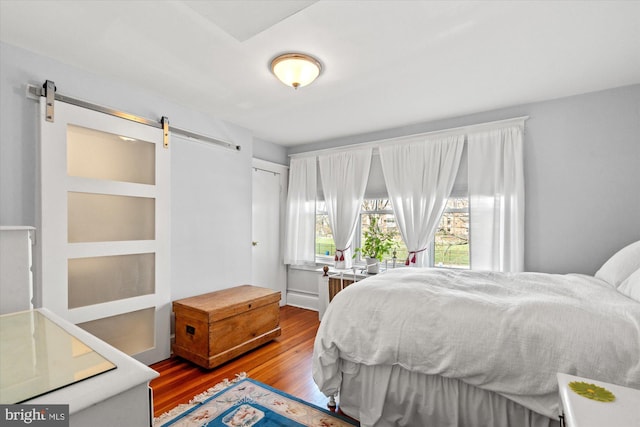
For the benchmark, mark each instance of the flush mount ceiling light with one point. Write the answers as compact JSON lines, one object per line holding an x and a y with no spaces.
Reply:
{"x":296,"y":69}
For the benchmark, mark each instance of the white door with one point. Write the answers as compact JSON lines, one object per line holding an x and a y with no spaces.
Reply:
{"x":268,"y":269}
{"x":104,"y":228}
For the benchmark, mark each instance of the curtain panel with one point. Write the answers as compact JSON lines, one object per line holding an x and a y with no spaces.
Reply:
{"x":496,"y":199}
{"x":300,"y":229}
{"x":419,"y":178}
{"x":344,"y":178}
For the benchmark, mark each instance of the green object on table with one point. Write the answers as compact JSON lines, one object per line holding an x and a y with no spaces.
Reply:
{"x":592,"y":391}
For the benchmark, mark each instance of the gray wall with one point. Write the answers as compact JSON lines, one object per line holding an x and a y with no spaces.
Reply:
{"x":582,"y":175}
{"x":211,"y":186}
{"x":270,"y":152}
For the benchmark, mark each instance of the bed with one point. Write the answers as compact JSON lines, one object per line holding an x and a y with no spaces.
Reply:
{"x":437,"y":347}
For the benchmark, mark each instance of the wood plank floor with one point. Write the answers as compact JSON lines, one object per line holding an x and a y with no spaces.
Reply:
{"x":284,"y":363}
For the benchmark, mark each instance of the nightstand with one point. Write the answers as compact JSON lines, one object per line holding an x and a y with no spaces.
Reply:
{"x":580,"y":411}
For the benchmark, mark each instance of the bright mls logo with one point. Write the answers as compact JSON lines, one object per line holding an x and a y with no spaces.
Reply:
{"x":34,"y":415}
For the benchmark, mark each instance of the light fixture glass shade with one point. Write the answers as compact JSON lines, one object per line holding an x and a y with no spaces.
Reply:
{"x":295,"y":69}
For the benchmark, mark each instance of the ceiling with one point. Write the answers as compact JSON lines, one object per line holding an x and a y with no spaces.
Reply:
{"x":385,"y":64}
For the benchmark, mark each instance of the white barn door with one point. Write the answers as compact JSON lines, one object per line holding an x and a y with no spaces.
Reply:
{"x":104,"y":228}
{"x":268,"y":269}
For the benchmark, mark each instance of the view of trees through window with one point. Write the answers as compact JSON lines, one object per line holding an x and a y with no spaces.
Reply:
{"x":324,"y":237}
{"x":451,"y":242}
{"x":381,"y":209}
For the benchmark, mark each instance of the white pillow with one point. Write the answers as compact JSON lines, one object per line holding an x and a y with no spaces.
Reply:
{"x":620,"y":265}
{"x":631,"y":286}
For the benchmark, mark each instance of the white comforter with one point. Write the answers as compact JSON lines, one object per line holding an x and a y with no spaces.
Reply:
{"x":508,"y":333}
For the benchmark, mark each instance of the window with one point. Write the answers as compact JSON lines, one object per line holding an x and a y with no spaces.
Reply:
{"x":450,"y":247}
{"x":325,"y":247}
{"x":451,"y":242}
{"x":380,"y":209}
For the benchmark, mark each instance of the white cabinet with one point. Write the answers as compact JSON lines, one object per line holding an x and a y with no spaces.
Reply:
{"x":60,"y":353}
{"x":16,"y":278}
{"x":583,"y":412}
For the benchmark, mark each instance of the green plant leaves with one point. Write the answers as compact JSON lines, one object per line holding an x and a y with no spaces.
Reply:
{"x":376,"y":243}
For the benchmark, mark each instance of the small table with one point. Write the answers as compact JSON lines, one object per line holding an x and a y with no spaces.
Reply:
{"x":580,"y":411}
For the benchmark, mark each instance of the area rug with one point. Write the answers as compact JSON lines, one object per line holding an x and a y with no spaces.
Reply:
{"x":245,"y":402}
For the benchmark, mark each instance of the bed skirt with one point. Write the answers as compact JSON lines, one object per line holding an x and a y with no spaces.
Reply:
{"x":383,"y":396}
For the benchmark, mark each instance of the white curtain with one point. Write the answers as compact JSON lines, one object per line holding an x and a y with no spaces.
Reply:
{"x":344,"y":178}
{"x":300,"y":228}
{"x":419,"y":178}
{"x":496,"y":199}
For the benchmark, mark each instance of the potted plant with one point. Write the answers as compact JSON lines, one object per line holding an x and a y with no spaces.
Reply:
{"x":376,"y":244}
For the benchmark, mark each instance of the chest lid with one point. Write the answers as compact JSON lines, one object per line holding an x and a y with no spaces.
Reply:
{"x":225,"y":303}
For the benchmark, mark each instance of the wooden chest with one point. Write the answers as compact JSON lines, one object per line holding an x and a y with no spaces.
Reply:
{"x":216,"y":327}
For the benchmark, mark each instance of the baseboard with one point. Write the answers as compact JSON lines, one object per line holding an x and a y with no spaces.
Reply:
{"x":302,"y":300}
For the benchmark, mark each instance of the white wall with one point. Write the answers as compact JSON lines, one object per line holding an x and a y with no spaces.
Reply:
{"x":582,"y":175}
{"x":211,"y":187}
{"x":211,"y":218}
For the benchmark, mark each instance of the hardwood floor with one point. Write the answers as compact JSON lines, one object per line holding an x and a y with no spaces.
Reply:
{"x":284,"y":363}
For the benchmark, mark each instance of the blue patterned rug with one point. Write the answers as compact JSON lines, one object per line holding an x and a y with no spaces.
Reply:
{"x":249,"y":403}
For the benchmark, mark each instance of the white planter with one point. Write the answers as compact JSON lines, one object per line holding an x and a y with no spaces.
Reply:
{"x":373,"y":266}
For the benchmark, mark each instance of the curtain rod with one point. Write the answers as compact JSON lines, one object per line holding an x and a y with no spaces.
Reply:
{"x":379,"y":142}
{"x":36,"y":92}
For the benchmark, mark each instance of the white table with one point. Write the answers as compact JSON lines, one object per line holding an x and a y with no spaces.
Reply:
{"x":580,"y":411}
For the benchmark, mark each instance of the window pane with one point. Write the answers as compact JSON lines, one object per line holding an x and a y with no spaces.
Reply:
{"x":389,"y":227}
{"x":451,"y":242}
{"x":324,"y":237}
